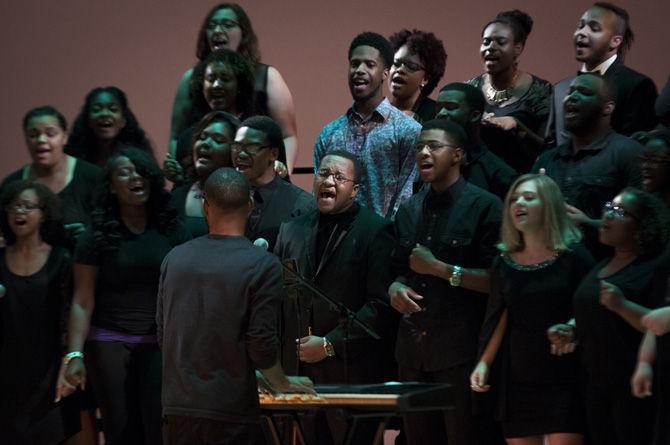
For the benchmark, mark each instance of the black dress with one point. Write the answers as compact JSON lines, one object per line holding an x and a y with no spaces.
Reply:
{"x":532,"y":109}
{"x":608,"y":350}
{"x":537,"y":392}
{"x":661,"y":297}
{"x":32,"y":316}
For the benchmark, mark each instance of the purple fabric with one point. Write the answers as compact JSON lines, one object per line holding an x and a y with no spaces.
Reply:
{"x":100,"y":334}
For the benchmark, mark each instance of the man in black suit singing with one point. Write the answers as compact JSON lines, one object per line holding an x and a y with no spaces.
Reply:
{"x":602,"y":39}
{"x":343,"y":248}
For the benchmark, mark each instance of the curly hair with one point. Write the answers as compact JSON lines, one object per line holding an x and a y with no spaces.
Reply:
{"x":429,"y":49}
{"x":46,"y":110}
{"x":559,"y":231}
{"x":376,"y":41}
{"x":82,"y":140}
{"x":520,"y":22}
{"x":51,"y":229}
{"x":106,"y":218}
{"x":249,"y":44}
{"x":244,"y":74}
{"x":653,"y":222}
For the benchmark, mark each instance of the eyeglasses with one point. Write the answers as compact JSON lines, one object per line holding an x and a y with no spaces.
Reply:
{"x":339,"y":178}
{"x":250,"y":149}
{"x":410,"y":66}
{"x":225,"y":24}
{"x":653,"y":160}
{"x":616,"y":211}
{"x":432,"y":146}
{"x":24,"y":207}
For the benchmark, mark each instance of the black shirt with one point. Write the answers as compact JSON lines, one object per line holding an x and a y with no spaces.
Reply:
{"x":461,"y":227}
{"x":487,"y":171}
{"x":126,"y":286}
{"x":218,"y":303}
{"x":274,"y":203}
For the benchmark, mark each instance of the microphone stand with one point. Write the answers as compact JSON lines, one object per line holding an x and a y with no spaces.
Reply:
{"x":347,"y":316}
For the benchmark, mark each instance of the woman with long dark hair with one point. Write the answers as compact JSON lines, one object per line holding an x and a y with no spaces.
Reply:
{"x":105,"y":125}
{"x":227,"y":26}
{"x":532,"y":283}
{"x":222,"y":82}
{"x":517,"y":106}
{"x":35,"y":274}
{"x":72,"y":179}
{"x":112,"y":322}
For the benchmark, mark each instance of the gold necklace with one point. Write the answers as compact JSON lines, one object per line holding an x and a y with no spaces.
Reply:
{"x":500,"y":96}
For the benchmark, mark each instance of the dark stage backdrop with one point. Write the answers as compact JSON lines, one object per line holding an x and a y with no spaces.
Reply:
{"x":54,"y":52}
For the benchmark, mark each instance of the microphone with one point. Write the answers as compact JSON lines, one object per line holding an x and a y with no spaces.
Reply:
{"x":262,"y":243}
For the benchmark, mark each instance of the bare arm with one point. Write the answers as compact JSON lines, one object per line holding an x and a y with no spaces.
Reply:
{"x":480,"y":375}
{"x":642,"y":379}
{"x":280,"y":106}
{"x":180,"y":111}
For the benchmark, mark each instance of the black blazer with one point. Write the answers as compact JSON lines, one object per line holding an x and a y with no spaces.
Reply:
{"x":356,"y":272}
{"x":636,"y":95}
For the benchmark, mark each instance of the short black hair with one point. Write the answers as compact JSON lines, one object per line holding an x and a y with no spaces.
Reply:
{"x":51,"y":229}
{"x":609,"y":91}
{"x":453,"y":129}
{"x":244,"y":75}
{"x":473,"y":95}
{"x":46,"y":110}
{"x":520,"y":22}
{"x":429,"y":49}
{"x":358,"y":166}
{"x":227,"y":189}
{"x":272,"y":131}
{"x":376,"y":41}
{"x":623,"y":26}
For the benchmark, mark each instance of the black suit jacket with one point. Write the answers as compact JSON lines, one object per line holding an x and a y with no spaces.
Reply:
{"x":355,"y":272}
{"x":636,"y":95}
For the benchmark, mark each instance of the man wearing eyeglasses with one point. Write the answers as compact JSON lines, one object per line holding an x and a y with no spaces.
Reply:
{"x":343,"y":247}
{"x":596,"y":162}
{"x":446,"y":236}
{"x":379,"y":134}
{"x":254,"y":152}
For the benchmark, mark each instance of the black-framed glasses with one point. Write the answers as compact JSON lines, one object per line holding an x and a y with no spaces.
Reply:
{"x":225,"y":24}
{"x":409,"y":65}
{"x":23,"y":207}
{"x":616,"y":211}
{"x":250,"y":149}
{"x":338,"y":177}
{"x":432,"y":146}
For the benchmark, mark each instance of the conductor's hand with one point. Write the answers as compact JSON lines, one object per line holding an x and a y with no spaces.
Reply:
{"x":311,"y":349}
{"x":403,"y":298}
{"x":75,"y":373}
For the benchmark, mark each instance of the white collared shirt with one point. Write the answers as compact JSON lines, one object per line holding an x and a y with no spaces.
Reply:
{"x":602,"y":68}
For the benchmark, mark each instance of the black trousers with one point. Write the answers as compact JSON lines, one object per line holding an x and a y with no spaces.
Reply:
{"x":187,"y":430}
{"x":615,"y":417}
{"x":126,"y":381}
